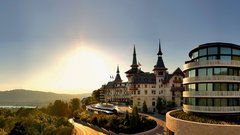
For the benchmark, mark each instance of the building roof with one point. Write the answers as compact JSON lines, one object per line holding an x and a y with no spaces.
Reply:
{"x":160,"y":64}
{"x":118,"y":77}
{"x":144,"y":78}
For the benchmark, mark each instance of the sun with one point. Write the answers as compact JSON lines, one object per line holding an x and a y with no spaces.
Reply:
{"x":83,"y":69}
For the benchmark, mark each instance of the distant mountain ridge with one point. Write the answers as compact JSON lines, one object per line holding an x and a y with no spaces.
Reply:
{"x":21,"y":97}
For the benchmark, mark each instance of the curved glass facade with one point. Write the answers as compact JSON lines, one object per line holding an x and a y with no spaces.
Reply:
{"x":208,"y":52}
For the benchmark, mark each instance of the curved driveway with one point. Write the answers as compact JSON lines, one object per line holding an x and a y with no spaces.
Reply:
{"x":84,"y":130}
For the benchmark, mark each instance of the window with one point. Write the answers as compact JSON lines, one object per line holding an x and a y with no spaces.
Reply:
{"x":139,"y":92}
{"x":216,"y":86}
{"x":192,"y":73}
{"x":153,"y":98}
{"x":209,"y":102}
{"x":235,"y":52}
{"x":225,"y":57}
{"x":145,"y":86}
{"x":160,"y":73}
{"x":210,"y":71}
{"x":225,"y":50}
{"x":202,"y":52}
{"x":209,"y":86}
{"x":236,"y":58}
{"x":217,"y":71}
{"x":202,"y":58}
{"x":224,"y":71}
{"x":145,"y":92}
{"x":202,"y":87}
{"x":202,"y":72}
{"x":153,"y":103}
{"x":195,"y":55}
{"x":212,"y":57}
{"x":212,"y":50}
{"x":153,"y":92}
{"x":139,"y":103}
{"x":201,"y":102}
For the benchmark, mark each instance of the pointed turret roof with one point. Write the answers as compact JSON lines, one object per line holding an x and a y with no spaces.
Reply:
{"x":159,"y":48}
{"x":118,"y":77}
{"x":134,"y":65}
{"x":160,"y":63}
{"x":134,"y":62}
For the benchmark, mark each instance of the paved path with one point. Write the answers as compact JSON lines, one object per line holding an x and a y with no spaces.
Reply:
{"x":80,"y":129}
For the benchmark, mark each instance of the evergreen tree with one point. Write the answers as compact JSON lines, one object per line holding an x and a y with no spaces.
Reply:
{"x":126,"y":118}
{"x":75,"y":104}
{"x":135,"y":118}
{"x":144,"y":107}
{"x":161,"y":104}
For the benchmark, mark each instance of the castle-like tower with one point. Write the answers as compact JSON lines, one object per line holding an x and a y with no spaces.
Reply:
{"x":212,"y":79}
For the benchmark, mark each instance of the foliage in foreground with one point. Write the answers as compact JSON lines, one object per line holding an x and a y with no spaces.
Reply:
{"x":234,"y":120}
{"x":52,"y":120}
{"x":128,"y":123}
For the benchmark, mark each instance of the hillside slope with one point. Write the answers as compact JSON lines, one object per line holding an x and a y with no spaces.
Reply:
{"x":35,"y":98}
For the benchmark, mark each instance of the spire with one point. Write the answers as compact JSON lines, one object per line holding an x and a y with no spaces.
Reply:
{"x":159,"y":49}
{"x":118,"y":69}
{"x":134,"y":62}
{"x":160,"y":63}
{"x":118,"y":77}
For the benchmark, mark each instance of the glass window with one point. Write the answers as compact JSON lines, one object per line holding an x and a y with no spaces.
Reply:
{"x":209,"y":86}
{"x":230,"y":71}
{"x":202,"y":52}
{"x":209,"y":102}
{"x":235,"y":72}
{"x":212,"y":57}
{"x":192,"y":87}
{"x":217,"y":71}
{"x":195,"y":55}
{"x":201,"y":102}
{"x":225,"y":50}
{"x":192,"y":73}
{"x":236,"y":58}
{"x":225,"y":57}
{"x":192,"y":101}
{"x":235,"y":52}
{"x":223,"y":102}
{"x":210,"y":71}
{"x":223,"y":71}
{"x":202,"y":59}
{"x":212,"y":50}
{"x":202,"y":72}
{"x":232,"y":102}
{"x":202,"y":87}
{"x":216,"y":86}
{"x":217,"y":102}
{"x":223,"y":87}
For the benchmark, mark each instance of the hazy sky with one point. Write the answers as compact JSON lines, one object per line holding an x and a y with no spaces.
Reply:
{"x":74,"y":46}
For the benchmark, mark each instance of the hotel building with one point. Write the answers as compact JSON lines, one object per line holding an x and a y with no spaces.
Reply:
{"x":145,"y":86}
{"x":212,"y":79}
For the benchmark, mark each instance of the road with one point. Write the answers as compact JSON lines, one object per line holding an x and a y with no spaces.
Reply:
{"x":84,"y":130}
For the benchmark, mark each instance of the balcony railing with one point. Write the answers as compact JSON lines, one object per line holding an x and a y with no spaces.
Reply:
{"x":211,"y":94}
{"x":205,"y":63}
{"x":214,"y":78}
{"x":211,"y":109}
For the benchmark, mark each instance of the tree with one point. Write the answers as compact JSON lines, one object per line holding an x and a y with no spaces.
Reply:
{"x":161,"y":104}
{"x":144,"y":107}
{"x":96,"y":95}
{"x":75,"y":104}
{"x":126,"y":118}
{"x":59,"y":108}
{"x":135,"y":118}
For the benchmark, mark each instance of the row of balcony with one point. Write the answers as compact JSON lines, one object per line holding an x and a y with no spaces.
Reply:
{"x":215,"y":78}
{"x":216,"y":94}
{"x":211,"y":109}
{"x":206,"y":63}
